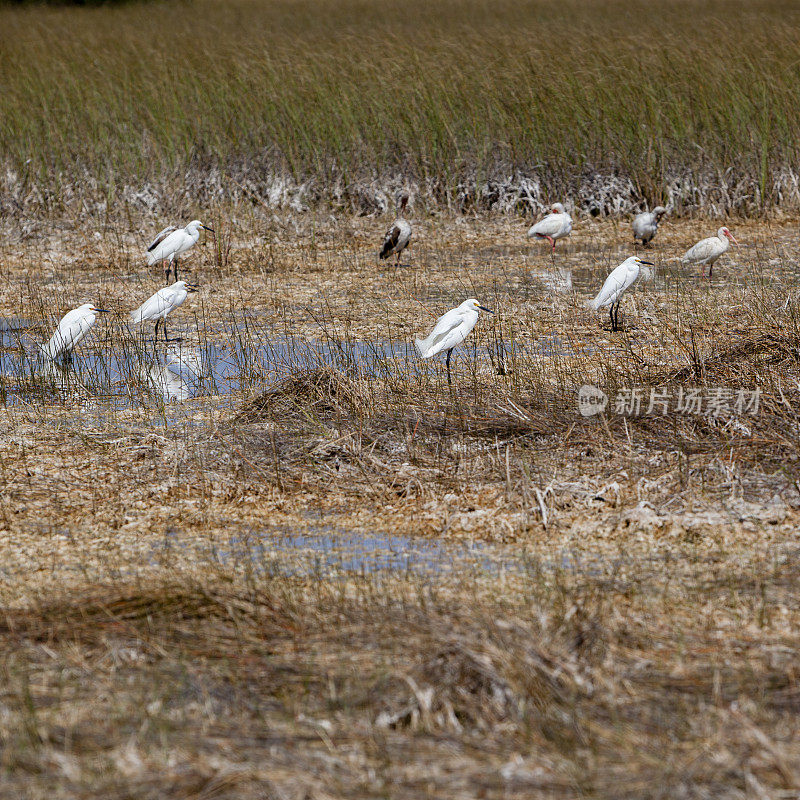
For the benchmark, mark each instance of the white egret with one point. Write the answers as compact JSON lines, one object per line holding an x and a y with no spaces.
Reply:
{"x":707,"y":251}
{"x":173,"y":242}
{"x":617,"y":283}
{"x":645,"y":225}
{"x":163,"y":302}
{"x":556,"y":225}
{"x":398,"y":235}
{"x":450,"y":330}
{"x":72,"y":330}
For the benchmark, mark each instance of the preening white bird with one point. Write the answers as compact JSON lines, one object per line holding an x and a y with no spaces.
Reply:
{"x":72,"y":330}
{"x":450,"y":330}
{"x":173,"y":242}
{"x":707,"y":251}
{"x":617,"y":283}
{"x":645,"y":225}
{"x":398,"y":235}
{"x":162,"y":303}
{"x":556,"y":225}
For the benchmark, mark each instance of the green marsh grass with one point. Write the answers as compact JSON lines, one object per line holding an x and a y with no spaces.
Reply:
{"x":201,"y":99}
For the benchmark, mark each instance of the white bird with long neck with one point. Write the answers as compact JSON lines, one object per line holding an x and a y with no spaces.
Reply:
{"x":162,"y":303}
{"x":645,"y":225}
{"x":556,"y":225}
{"x":173,"y":242}
{"x":72,"y":330}
{"x":450,"y":330}
{"x":707,"y":251}
{"x":399,"y":234}
{"x":617,"y":283}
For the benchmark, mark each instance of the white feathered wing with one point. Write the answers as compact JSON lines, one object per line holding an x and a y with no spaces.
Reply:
{"x":617,"y":283}
{"x":159,"y":305}
{"x":450,"y":330}
{"x":70,"y":332}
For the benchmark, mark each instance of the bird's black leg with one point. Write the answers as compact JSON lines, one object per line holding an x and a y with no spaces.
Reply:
{"x":167,"y":271}
{"x":165,"y":331}
{"x":175,"y":268}
{"x":615,"y":316}
{"x":449,"y":380}
{"x":155,"y":332}
{"x":611,"y":314}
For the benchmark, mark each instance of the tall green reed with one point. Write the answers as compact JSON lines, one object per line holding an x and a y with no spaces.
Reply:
{"x":343,"y":92}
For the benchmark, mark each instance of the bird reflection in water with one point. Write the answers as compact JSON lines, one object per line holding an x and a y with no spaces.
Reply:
{"x":178,"y":377}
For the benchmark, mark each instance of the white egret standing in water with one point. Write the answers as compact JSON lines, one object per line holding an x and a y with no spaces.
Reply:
{"x":163,"y":302}
{"x":173,"y":242}
{"x":617,"y":283}
{"x":72,"y":330}
{"x":450,"y":330}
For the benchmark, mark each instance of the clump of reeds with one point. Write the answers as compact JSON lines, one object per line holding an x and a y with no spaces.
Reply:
{"x":322,"y":390}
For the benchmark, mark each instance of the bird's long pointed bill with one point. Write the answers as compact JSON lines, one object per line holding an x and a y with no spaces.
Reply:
{"x":730,"y":236}
{"x":103,"y":310}
{"x":649,"y":263}
{"x":208,"y":229}
{"x":483,"y":308}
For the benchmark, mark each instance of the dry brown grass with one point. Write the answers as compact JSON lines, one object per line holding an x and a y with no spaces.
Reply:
{"x":608,"y":685}
{"x":631,"y":633}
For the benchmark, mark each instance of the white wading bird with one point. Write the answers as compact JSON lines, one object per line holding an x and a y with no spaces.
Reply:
{"x":556,"y":225}
{"x":450,"y":330}
{"x":72,"y":330}
{"x":398,"y":235}
{"x":707,"y":251}
{"x":645,"y":225}
{"x":163,"y":302}
{"x":620,"y":279}
{"x":173,"y":242}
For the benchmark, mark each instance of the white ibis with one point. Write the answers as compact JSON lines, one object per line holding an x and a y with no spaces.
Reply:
{"x":163,"y":302}
{"x":645,"y":225}
{"x":398,"y":235}
{"x":450,"y":330}
{"x":173,"y":242}
{"x":617,"y":283}
{"x":707,"y":251}
{"x":72,"y":330}
{"x":556,"y":225}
